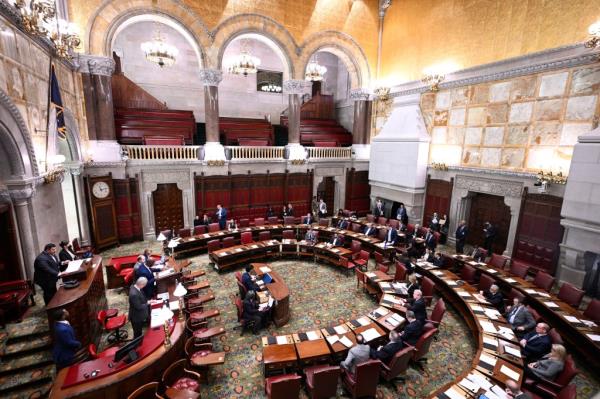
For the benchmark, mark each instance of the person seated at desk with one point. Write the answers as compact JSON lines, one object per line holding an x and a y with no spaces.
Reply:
{"x":145,"y":270}
{"x":549,"y":366}
{"x":494,"y":297}
{"x":343,"y":224}
{"x":430,"y":241}
{"x":519,"y":318}
{"x":411,"y":265}
{"x":337,"y":240}
{"x":249,"y":280}
{"x":514,"y":391}
{"x":66,"y":253}
{"x":197,"y":221}
{"x":402,"y":228}
{"x":391,"y":237}
{"x":413,"y":330}
{"x":434,"y":224}
{"x":428,"y":255}
{"x":270,"y":211}
{"x":308,"y":219}
{"x":370,"y":230}
{"x":311,"y":236}
{"x":438,"y":260}
{"x":65,"y":344}
{"x":206,"y":220}
{"x":478,"y":255}
{"x":356,"y":355}
{"x":412,"y":285}
{"x":417,"y":305}
{"x":284,"y":212}
{"x":290,"y":210}
{"x":251,"y":312}
{"x":139,"y":309}
{"x":386,"y":352}
{"x":537,"y":343}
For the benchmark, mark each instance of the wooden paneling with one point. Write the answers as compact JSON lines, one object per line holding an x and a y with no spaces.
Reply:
{"x":320,"y":106}
{"x":439,"y":196}
{"x":127,"y":94}
{"x":489,"y":208}
{"x":9,"y":264}
{"x":127,"y":205}
{"x":358,"y":191}
{"x":133,"y":124}
{"x":168,"y":207}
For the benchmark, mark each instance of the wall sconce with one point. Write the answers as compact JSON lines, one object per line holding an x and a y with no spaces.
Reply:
{"x":298,"y":161}
{"x":215,"y":162}
{"x":433,"y":80}
{"x":55,"y":175}
{"x":439,"y":166}
{"x":594,"y":40}
{"x":382,"y":93}
{"x":544,"y":179}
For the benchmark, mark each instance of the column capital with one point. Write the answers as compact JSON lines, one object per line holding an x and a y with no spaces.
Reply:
{"x":94,"y":64}
{"x":296,"y":86}
{"x":360,"y":94}
{"x":211,"y":77}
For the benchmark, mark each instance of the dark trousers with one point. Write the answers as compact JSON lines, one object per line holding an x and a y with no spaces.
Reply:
{"x":222,"y":223}
{"x":460,"y":245}
{"x":49,"y":290}
{"x":257,"y":322}
{"x":489,"y":242}
{"x":138,"y":326}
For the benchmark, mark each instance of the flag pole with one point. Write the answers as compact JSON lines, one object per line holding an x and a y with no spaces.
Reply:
{"x":48,"y":110}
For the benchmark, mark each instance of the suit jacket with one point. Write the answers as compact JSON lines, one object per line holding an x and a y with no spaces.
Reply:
{"x":310,"y":236}
{"x":323,"y":208}
{"x":139,"y":310}
{"x":439,"y":262}
{"x":65,"y":344}
{"x":343,"y":224}
{"x":522,"y":318}
{"x":378,"y":212}
{"x":64,"y":255}
{"x":461,"y":233}
{"x":430,"y":241}
{"x":46,"y":268}
{"x":337,"y":242}
{"x":490,"y":232}
{"x":391,"y":235}
{"x":290,"y":211}
{"x":547,"y":368}
{"x":248,"y":283}
{"x":419,"y":308}
{"x":223,"y":214}
{"x":371,"y":231}
{"x":497,"y":300}
{"x":356,"y":355}
{"x":144,"y":271}
{"x":412,"y":332}
{"x":401,"y":214}
{"x":307,"y":220}
{"x":537,"y":346}
{"x":250,"y":309}
{"x":388,"y":351}
{"x":411,"y":288}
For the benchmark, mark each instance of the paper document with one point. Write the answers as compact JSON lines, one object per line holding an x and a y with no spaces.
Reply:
{"x":438,"y":272}
{"x":265,"y":269}
{"x":545,"y":295}
{"x":480,"y":380}
{"x":512,"y":351}
{"x":499,"y":392}
{"x":572,"y":319}
{"x":311,"y":335}
{"x":492,"y":314}
{"x":346,"y":342}
{"x":488,"y":359}
{"x":382,"y":311}
{"x":282,"y":340}
{"x":488,"y":327}
{"x":506,"y":332}
{"x":340,"y":330}
{"x":469,"y":385}
{"x":589,"y":323}
{"x":454,"y":393}
{"x":165,"y":273}
{"x":332,"y":339}
{"x":451,"y":283}
{"x":174,"y":305}
{"x":385,"y":285}
{"x":513,"y":375}
{"x":510,"y":280}
{"x":392,"y":299}
{"x":490,"y":341}
{"x":492,"y":271}
{"x":364,"y":321}
{"x":370,"y":274}
{"x":370,"y":334}
{"x":163,"y":296}
{"x":73,"y":266}
{"x":529,"y":291}
{"x":463,"y":294}
{"x":551,"y":304}
{"x":594,"y":337}
{"x":477,"y":308}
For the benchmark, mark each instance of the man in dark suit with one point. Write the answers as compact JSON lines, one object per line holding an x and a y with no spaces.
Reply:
{"x":145,"y":270}
{"x":461,"y":236}
{"x":401,"y":214}
{"x":66,"y":253}
{"x":494,"y":297}
{"x":391,"y":236}
{"x":248,"y":280}
{"x":386,"y":352}
{"x":379,"y":209}
{"x":370,"y":230}
{"x":251,"y":312}
{"x":520,"y":318}
{"x":438,"y":260}
{"x":308,"y":219}
{"x":537,"y":343}
{"x":311,"y":236}
{"x":65,"y":344}
{"x":221,"y":216}
{"x":489,"y":232}
{"x":418,"y":306}
{"x":337,"y":240}
{"x":343,"y":224}
{"x":430,"y":241}
{"x":47,"y":271}
{"x":139,"y":310}
{"x":413,"y":330}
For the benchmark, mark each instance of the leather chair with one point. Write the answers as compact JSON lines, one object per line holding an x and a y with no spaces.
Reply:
{"x":568,"y":392}
{"x":246,"y":238}
{"x":355,"y":247}
{"x":244,"y":324}
{"x":183,"y":233}
{"x":346,"y":264}
{"x":401,"y":269}
{"x":356,"y":227}
{"x":370,"y":218}
{"x":379,"y":258}
{"x":360,"y":278}
{"x":427,"y":287}
{"x":213,"y":227}
{"x":364,"y":380}
{"x":544,"y":281}
{"x":242,"y":289}
{"x":194,"y":349}
{"x":536,"y":316}
{"x":283,"y":386}
{"x":244,"y":223}
{"x":213,"y":245}
{"x":393,"y":223}
{"x":200,"y":230}
{"x":273,"y":220}
{"x":288,"y":235}
{"x":555,"y":337}
{"x":382,"y":267}
{"x":498,"y":261}
{"x":264,"y":236}
{"x":468,"y":274}
{"x":551,"y":389}
{"x":178,"y":376}
{"x":363,"y":259}
{"x":287,"y":220}
{"x":227,"y":242}
{"x":324,"y":222}
{"x":398,"y":364}
{"x":593,"y":311}
{"x":514,"y":293}
{"x":519,"y":269}
{"x":570,"y":294}
{"x":382,"y":220}
{"x":93,"y":353}
{"x":423,"y":344}
{"x":485,"y":282}
{"x":113,"y":325}
{"x":322,"y":381}
{"x":146,"y":391}
{"x":382,"y":234}
{"x":259,"y":221}
{"x":437,"y":314}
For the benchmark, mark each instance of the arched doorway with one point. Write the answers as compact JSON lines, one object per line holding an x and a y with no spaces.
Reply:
{"x":168,"y":207}
{"x":488,"y":208}
{"x":326,"y":190}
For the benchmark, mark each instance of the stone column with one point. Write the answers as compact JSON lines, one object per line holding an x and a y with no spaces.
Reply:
{"x":84,"y":228}
{"x":210,"y":78}
{"x":515,"y":209}
{"x":21,"y":200}
{"x":96,"y":73}
{"x":295,"y":88}
{"x":362,"y":123}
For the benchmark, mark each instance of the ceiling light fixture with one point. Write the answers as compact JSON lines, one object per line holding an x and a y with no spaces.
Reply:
{"x":314,"y":71}
{"x":159,"y":52}
{"x":594,"y":40}
{"x":244,"y":63}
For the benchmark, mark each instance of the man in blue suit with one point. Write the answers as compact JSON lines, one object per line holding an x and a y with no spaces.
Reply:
{"x":391,"y":236}
{"x":430,"y":241}
{"x":221,"y":216}
{"x":370,"y":230}
{"x":461,"y":236}
{"x":308,"y":219}
{"x":65,"y":344}
{"x":145,"y":270}
{"x":537,"y":343}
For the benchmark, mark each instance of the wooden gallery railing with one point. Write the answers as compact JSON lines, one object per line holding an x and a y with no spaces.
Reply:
{"x":329,"y":152}
{"x":242,"y":152}
{"x":162,"y":152}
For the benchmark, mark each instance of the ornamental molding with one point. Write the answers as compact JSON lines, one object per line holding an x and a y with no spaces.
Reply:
{"x":548,"y":60}
{"x":360,"y":94}
{"x":493,"y":172}
{"x":211,"y":77}
{"x":150,"y":181}
{"x":94,"y":64}
{"x":296,"y":86}
{"x":489,"y":186}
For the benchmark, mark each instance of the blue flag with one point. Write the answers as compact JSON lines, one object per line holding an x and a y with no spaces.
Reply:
{"x":56,"y":104}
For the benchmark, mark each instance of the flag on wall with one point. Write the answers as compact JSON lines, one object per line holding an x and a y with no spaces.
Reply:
{"x":57,"y":116}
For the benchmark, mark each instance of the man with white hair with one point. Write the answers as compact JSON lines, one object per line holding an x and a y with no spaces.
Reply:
{"x":139,"y":310}
{"x":386,"y":352}
{"x":418,"y":306}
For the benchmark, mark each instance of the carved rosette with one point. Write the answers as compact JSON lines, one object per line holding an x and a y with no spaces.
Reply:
{"x":360,"y":94}
{"x":296,"y":86}
{"x":211,"y":77}
{"x":94,"y":64}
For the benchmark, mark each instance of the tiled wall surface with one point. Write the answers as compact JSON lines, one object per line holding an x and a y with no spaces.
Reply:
{"x":526,"y":123}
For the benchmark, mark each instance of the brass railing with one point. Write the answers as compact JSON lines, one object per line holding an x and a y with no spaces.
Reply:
{"x":329,"y":152}
{"x":251,"y":152}
{"x":162,"y":152}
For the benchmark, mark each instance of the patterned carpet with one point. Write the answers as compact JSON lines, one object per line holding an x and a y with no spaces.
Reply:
{"x":321,"y":296}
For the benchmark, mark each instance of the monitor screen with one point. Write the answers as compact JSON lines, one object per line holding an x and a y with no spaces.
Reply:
{"x":267,"y":279}
{"x":125,"y":349}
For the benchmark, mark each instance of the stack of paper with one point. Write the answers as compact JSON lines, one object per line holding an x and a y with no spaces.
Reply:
{"x":281,"y":340}
{"x":312,"y":335}
{"x":480,"y":380}
{"x":510,"y":280}
{"x":73,"y":266}
{"x":332,"y":339}
{"x":488,"y":327}
{"x":492,"y":314}
{"x":346,"y":342}
{"x":506,"y":332}
{"x":492,"y":271}
{"x":454,"y":393}
{"x":477,"y":308}
{"x":364,"y":321}
{"x":265,"y":269}
{"x":340,"y":329}
{"x":512,"y":351}
{"x":463,"y":294}
{"x":438,"y":272}
{"x":589,"y":323}
{"x":370,"y":334}
{"x":490,"y":341}
{"x":594,"y":337}
{"x":469,"y":385}
{"x":572,"y":319}
{"x":510,"y":373}
{"x":451,"y":283}
{"x":392,"y":299}
{"x":551,"y":304}
{"x":488,"y":359}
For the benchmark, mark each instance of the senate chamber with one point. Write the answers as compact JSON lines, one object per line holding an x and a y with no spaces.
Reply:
{"x":300,"y":199}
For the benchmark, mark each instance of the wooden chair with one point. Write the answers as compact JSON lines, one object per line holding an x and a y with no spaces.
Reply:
{"x":364,"y":380}
{"x":213,"y":227}
{"x":178,"y":376}
{"x":244,"y":223}
{"x":244,"y":324}
{"x":360,"y":278}
{"x":498,"y":261}
{"x":593,"y":311}
{"x":382,"y":220}
{"x":355,"y":247}
{"x":544,"y":281}
{"x":213,"y":245}
{"x":379,"y":258}
{"x":287,"y":220}
{"x":283,"y":386}
{"x":568,"y":392}
{"x":437,"y":314}
{"x":570,"y":294}
{"x":370,"y":218}
{"x":200,"y":230}
{"x":288,"y":235}
{"x":514,"y":293}
{"x":183,"y":233}
{"x":194,"y":350}
{"x":324,"y":222}
{"x":382,"y":267}
{"x":264,"y":236}
{"x":273,"y":220}
{"x":363,"y":259}
{"x":555,"y":337}
{"x":519,"y":269}
{"x":398,"y":364}
{"x":146,"y":391}
{"x":259,"y":221}
{"x":322,"y":381}
{"x":401,"y":269}
{"x":423,"y":344}
{"x":356,"y":227}
{"x":536,"y":316}
{"x":485,"y":282}
{"x":227,"y":242}
{"x":246,"y":238}
{"x":468,"y":274}
{"x":551,"y":389}
{"x":81,"y":251}
{"x":427,"y":287}
{"x":346,"y":264}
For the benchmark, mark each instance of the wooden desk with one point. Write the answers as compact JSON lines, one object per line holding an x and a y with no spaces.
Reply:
{"x":83,"y":303}
{"x":279,"y":358}
{"x":279,"y":291}
{"x":173,"y":393}
{"x":382,"y":334}
{"x":338,"y":349}
{"x":313,"y":352}
{"x":210,"y":359}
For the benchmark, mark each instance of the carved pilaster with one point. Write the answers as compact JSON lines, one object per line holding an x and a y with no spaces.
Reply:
{"x":296,"y":86}
{"x":210,"y":77}
{"x":490,"y":186}
{"x":94,"y":64}
{"x":360,"y":94}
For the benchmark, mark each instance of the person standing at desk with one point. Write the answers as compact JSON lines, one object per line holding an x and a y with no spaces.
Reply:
{"x":413,"y":285}
{"x":47,"y":271}
{"x":270,"y":212}
{"x":221,"y":216}
{"x":322,"y":208}
{"x":418,"y":306}
{"x":314,"y":205}
{"x":139,"y":310}
{"x":66,"y":254}
{"x":205,"y":220}
{"x":197,"y":221}
{"x":379,"y":209}
{"x":145,"y":270}
{"x":461,"y":236}
{"x":391,"y":237}
{"x":290,"y":210}
{"x":356,"y":355}
{"x":489,"y":232}
{"x":430,"y":241}
{"x":401,"y":214}
{"x":65,"y":344}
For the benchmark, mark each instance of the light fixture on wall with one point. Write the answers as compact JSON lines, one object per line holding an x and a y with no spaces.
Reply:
{"x":65,"y":37}
{"x":159,"y":52}
{"x":439,"y":166}
{"x":433,"y":80}
{"x":244,"y":63}
{"x":314,"y":71}
{"x":594,"y":40}
{"x":545,"y":178}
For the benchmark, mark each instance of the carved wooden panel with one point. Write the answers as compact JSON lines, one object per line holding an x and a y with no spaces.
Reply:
{"x":439,"y":195}
{"x":168,"y":207}
{"x":489,"y":208}
{"x":358,"y":191}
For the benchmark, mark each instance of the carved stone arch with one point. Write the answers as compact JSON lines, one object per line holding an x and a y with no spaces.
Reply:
{"x":239,"y":24}
{"x":112,"y":13}
{"x":15,"y":141}
{"x":73,"y":137}
{"x":341,"y":45}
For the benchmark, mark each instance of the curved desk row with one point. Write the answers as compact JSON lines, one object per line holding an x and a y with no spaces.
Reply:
{"x":567,"y":320}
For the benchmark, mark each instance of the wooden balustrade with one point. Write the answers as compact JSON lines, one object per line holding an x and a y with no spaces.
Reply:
{"x":162,"y":152}
{"x":251,"y":152}
{"x":329,"y":152}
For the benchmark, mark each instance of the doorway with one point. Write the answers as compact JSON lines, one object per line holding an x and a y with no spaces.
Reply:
{"x":168,"y":207}
{"x":9,"y":263}
{"x":326,"y":190}
{"x":489,"y":208}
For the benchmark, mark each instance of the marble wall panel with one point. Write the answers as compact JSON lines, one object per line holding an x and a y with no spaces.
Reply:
{"x":440,"y":118}
{"x":471,"y":156}
{"x":460,"y":96}
{"x":500,"y":92}
{"x":513,"y":157}
{"x":520,"y":112}
{"x":476,"y":116}
{"x":546,"y":133}
{"x":493,"y":135}
{"x":442,"y":100}
{"x":473,"y":136}
{"x":8,"y":41}
{"x":553,"y":85}
{"x":14,"y":81}
{"x":438,"y":135}
{"x":585,"y":81}
{"x":457,"y":116}
{"x":570,"y":132}
{"x":518,"y":135}
{"x":428,"y":101}
{"x":523,"y":88}
{"x":496,"y":113}
{"x":479,"y":94}
{"x":548,"y":110}
{"x":456,"y":135}
{"x":2,"y":76}
{"x":581,"y":108}
{"x":490,"y":157}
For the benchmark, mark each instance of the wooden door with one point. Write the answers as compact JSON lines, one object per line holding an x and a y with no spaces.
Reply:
{"x":439,"y":196}
{"x":489,"y":208}
{"x":9,"y":263}
{"x":168,"y":207}
{"x":327,"y":192}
